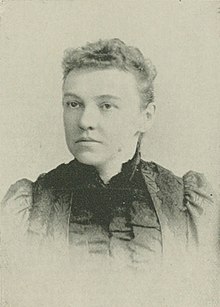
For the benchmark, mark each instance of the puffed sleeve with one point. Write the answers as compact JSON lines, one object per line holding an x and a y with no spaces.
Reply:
{"x":15,"y":209}
{"x":203,"y":213}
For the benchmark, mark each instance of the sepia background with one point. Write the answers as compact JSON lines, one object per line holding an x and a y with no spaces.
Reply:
{"x":180,"y":37}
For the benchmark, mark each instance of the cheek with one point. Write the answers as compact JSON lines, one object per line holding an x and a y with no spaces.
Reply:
{"x":121,"y":128}
{"x":70,"y":122}
{"x":129,"y":126}
{"x":119,"y":137}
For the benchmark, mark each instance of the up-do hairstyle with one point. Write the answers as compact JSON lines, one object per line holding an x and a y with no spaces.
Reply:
{"x":113,"y":53}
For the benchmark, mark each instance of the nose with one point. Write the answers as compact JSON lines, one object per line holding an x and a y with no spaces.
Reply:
{"x":89,"y":118}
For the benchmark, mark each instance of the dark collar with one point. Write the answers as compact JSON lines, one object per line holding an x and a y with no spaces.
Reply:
{"x":89,"y":176}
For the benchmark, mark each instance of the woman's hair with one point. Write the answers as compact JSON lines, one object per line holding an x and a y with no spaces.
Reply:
{"x":113,"y":53}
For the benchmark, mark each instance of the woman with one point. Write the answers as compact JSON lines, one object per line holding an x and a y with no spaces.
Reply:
{"x":108,"y":205}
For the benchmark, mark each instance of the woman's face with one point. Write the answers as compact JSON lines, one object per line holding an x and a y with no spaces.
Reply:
{"x":102,"y":114}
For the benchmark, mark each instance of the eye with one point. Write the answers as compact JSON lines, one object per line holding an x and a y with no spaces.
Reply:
{"x":106,"y":106}
{"x":73,"y":104}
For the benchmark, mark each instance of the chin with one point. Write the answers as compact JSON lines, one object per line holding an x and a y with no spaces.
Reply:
{"x":89,"y":158}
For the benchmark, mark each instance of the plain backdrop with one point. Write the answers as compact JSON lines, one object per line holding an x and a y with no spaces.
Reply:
{"x":180,"y":37}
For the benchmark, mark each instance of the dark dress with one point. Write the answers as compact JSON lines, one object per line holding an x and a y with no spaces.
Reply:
{"x":144,"y":215}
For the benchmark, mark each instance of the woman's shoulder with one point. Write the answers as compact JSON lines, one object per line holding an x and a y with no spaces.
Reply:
{"x":58,"y":177}
{"x":20,"y":193}
{"x":17,"y":204}
{"x":190,"y":181}
{"x":20,"y":189}
{"x":15,"y":210}
{"x":194,"y":186}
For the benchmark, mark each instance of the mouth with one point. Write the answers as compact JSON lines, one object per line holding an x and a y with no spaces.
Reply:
{"x":87,"y":140}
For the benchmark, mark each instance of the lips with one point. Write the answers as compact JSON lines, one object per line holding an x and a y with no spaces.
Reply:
{"x":87,"y":140}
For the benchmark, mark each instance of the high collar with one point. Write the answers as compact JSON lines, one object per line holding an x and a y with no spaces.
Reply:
{"x":89,"y":176}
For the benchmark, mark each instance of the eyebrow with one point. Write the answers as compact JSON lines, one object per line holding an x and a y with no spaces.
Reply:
{"x":107,"y":96}
{"x":71,"y":95}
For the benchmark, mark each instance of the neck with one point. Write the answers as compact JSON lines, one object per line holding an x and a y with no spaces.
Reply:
{"x":112,"y":167}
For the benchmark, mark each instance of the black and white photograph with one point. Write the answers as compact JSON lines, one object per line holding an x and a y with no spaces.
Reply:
{"x":110,"y":153}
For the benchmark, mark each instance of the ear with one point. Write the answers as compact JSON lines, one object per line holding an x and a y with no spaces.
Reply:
{"x":148,"y":115}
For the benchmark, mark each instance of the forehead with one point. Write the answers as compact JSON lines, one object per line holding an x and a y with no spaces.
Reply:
{"x":101,"y":82}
